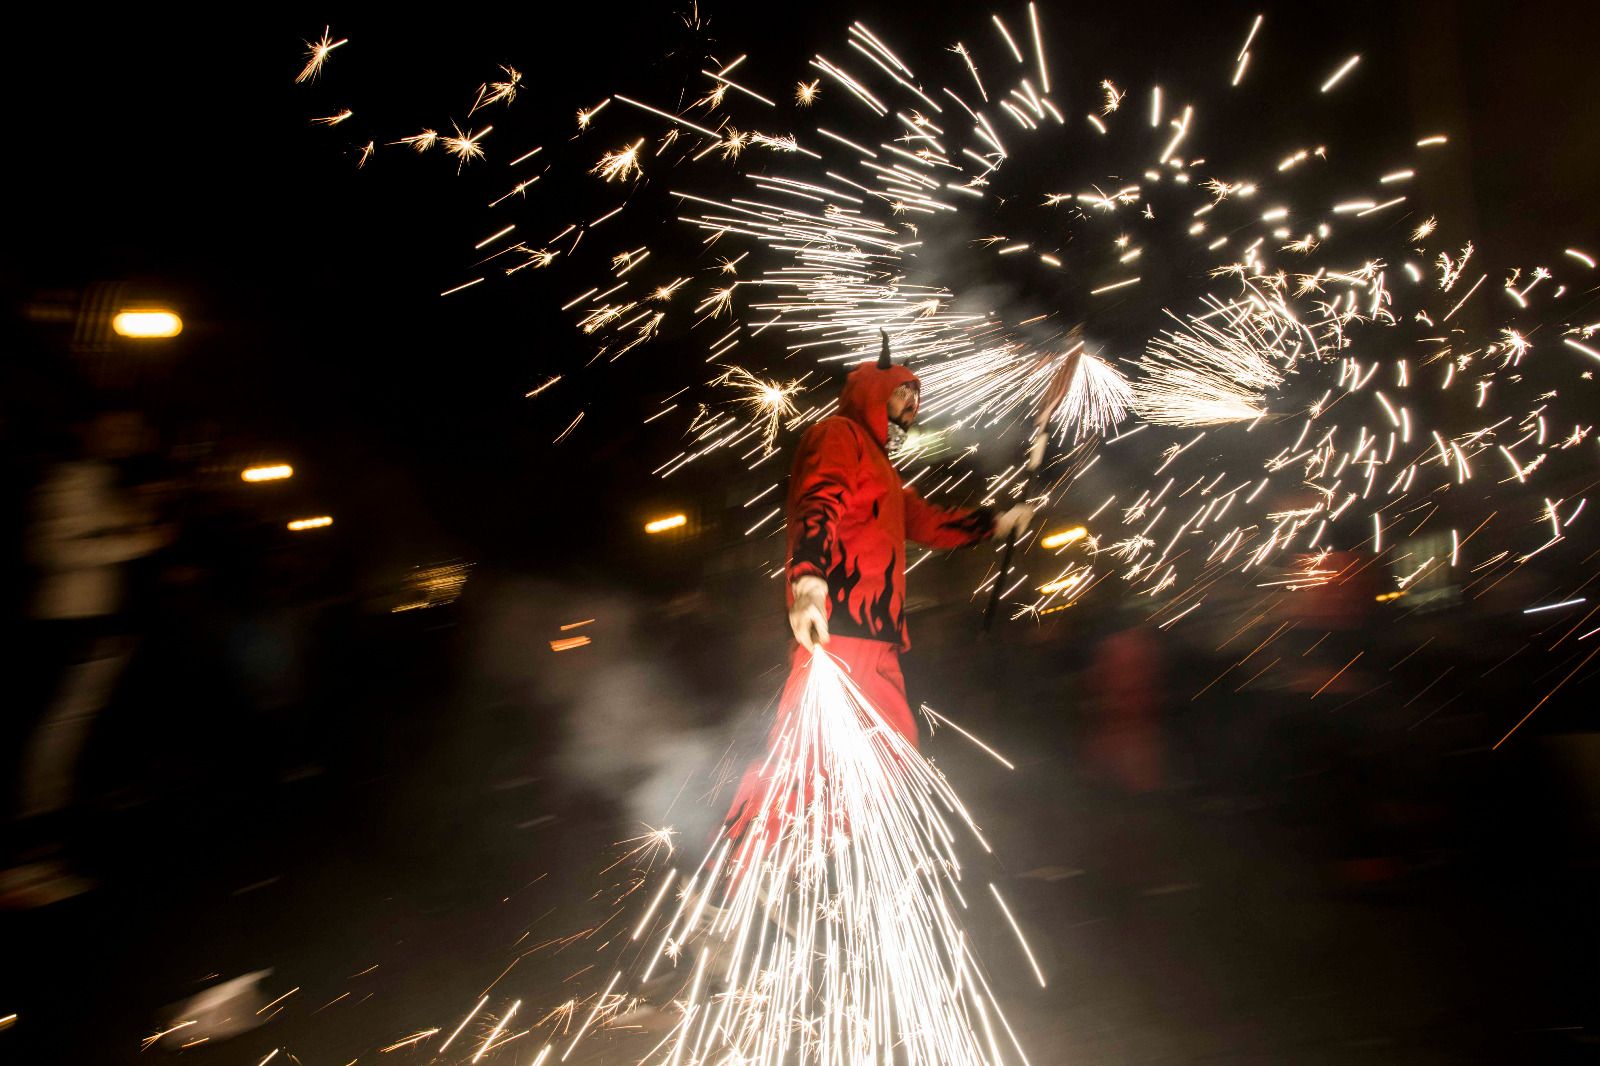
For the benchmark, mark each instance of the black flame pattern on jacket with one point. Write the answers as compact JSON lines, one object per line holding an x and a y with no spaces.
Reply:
{"x":849,"y":515}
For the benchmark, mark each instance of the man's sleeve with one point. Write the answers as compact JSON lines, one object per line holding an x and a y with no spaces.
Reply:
{"x":822,"y":479}
{"x":940,"y":527}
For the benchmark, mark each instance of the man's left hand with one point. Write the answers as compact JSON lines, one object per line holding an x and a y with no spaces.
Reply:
{"x":1016,"y":520}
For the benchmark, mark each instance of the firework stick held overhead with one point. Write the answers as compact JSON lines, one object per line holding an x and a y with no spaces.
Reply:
{"x":1064,"y":382}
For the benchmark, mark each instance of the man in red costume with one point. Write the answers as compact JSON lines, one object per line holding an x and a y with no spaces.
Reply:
{"x":849,"y":517}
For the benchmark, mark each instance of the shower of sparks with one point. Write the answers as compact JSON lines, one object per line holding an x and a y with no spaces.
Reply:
{"x":1097,"y":399}
{"x":1302,"y":369}
{"x":1297,"y":364}
{"x":317,"y":55}
{"x":1209,"y":371}
{"x":830,"y":932}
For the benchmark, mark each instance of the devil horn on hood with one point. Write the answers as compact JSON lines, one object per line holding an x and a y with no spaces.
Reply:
{"x":884,"y":362}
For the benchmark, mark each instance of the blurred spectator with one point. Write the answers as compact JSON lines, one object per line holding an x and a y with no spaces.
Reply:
{"x":84,"y":530}
{"x":1125,"y":748}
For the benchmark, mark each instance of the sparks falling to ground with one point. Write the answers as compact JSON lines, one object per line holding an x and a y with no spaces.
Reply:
{"x":829,"y":933}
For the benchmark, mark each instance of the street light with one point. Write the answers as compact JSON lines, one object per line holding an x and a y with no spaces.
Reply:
{"x":661,"y":525}
{"x":146,"y":324}
{"x":274,"y":472}
{"x":1063,"y":538}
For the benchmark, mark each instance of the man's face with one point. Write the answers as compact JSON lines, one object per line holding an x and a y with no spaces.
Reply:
{"x":903,"y":404}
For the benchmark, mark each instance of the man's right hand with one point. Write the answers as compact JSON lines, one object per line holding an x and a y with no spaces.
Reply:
{"x":808,"y":617}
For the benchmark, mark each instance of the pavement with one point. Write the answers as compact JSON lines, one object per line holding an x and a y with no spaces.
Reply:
{"x":325,"y":910}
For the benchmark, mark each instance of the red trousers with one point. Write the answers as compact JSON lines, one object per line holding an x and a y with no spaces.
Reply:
{"x":874,"y":667}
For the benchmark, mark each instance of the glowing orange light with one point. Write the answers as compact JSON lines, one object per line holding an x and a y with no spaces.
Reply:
{"x":661,"y":525}
{"x":1063,"y":538}
{"x":146,"y":325}
{"x":275,"y":472}
{"x":569,"y":643}
{"x":575,"y":625}
{"x":310,"y":523}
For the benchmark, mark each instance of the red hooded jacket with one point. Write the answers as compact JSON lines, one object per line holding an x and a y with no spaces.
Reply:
{"x":850,"y":515}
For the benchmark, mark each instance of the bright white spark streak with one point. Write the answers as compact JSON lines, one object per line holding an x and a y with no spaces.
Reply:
{"x":1038,"y":49}
{"x":1005,"y":33}
{"x":666,"y":883}
{"x":1015,"y":928}
{"x":677,"y":120}
{"x":1349,"y":65}
{"x":1113,"y":285}
{"x":1555,"y":606}
{"x":1584,"y":348}
{"x":1001,"y":759}
{"x":473,"y":1013}
{"x":496,"y":1031}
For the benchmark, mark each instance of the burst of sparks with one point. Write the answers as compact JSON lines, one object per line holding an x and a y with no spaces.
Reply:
{"x":1113,"y":97}
{"x":465,"y":146}
{"x":420,"y":141}
{"x":621,"y":164}
{"x":771,"y":401}
{"x":317,"y":53}
{"x":1098,"y":398}
{"x":495,"y":92}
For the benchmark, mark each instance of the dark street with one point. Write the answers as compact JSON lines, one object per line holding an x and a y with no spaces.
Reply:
{"x":1288,"y":893}
{"x":472,"y":481}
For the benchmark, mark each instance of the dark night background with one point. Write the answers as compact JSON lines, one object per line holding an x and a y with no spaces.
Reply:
{"x":178,"y":153}
{"x":456,"y":776}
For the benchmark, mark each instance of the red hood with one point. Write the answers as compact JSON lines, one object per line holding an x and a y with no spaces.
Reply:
{"x":865,"y":397}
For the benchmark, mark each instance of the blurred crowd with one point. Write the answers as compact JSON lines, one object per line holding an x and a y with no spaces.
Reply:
{"x":168,"y":633}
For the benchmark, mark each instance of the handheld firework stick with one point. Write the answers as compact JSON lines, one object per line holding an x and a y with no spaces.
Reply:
{"x":1038,"y":443}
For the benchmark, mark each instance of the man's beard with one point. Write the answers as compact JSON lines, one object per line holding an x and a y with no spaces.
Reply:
{"x":897,"y":435}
